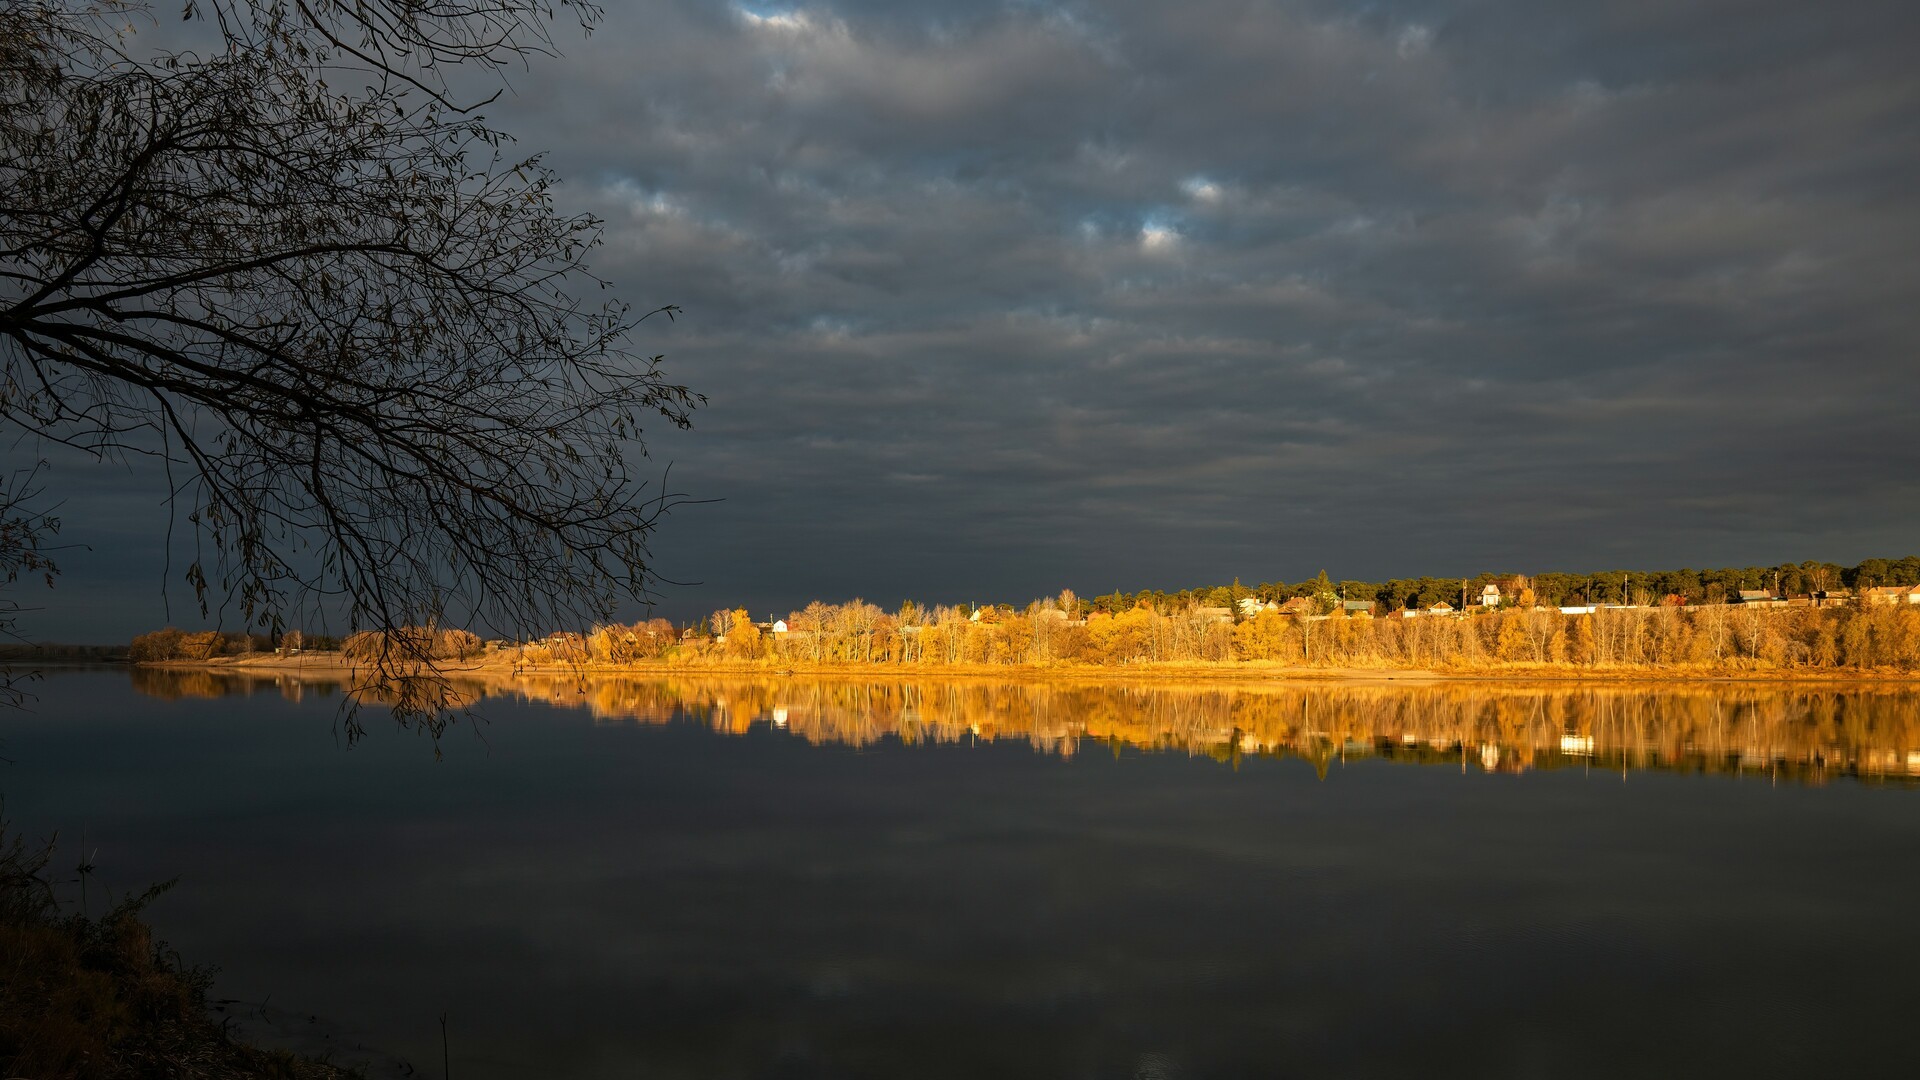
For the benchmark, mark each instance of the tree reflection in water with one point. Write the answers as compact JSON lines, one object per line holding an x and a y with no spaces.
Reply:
{"x":1799,"y":733}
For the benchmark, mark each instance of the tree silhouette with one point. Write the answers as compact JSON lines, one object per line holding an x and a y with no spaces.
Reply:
{"x":298,"y":271}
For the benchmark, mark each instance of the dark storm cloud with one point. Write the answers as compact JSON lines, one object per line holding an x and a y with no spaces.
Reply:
{"x":997,"y":299}
{"x":1141,"y":294}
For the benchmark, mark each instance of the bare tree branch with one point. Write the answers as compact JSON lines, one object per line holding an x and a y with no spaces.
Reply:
{"x":351,"y":321}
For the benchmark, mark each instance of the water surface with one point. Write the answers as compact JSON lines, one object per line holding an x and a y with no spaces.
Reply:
{"x":868,"y":878}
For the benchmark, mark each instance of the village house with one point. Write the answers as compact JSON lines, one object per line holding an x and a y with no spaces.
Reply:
{"x":1253,"y":605}
{"x":1299,"y":605}
{"x":1441,"y":608}
{"x":1490,"y":596}
{"x":1893,"y":594}
{"x":1357,"y":608}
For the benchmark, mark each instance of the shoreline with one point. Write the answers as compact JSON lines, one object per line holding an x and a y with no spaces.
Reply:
{"x":1238,"y":672}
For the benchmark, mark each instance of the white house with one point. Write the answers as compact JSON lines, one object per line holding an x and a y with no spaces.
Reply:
{"x":1490,"y":596}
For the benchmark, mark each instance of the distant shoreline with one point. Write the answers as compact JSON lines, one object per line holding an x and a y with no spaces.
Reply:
{"x":1225,"y":672}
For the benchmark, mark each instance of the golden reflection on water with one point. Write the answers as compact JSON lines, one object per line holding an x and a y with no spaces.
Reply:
{"x":1784,"y":732}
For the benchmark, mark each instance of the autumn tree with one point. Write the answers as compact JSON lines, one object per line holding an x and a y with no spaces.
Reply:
{"x":300,"y":272}
{"x":861,"y":622}
{"x":1263,"y":637}
{"x":1513,"y":642}
{"x":810,"y":627}
{"x":742,"y":637}
{"x":1070,"y":604}
{"x":910,"y":622}
{"x":1583,"y":649}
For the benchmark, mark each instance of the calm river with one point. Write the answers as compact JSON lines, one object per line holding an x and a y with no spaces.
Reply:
{"x":713,"y":878}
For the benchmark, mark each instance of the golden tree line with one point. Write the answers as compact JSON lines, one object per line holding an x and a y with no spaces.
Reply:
{"x":1058,"y":631}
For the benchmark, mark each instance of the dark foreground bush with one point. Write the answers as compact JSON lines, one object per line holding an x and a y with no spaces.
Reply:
{"x":100,"y":999}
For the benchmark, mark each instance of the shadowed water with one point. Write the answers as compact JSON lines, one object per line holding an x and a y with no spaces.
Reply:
{"x":874,"y":878}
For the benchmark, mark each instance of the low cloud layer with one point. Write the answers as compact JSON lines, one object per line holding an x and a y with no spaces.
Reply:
{"x":995,"y":300}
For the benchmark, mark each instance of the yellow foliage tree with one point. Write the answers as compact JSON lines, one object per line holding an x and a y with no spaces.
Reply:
{"x":742,"y":638}
{"x":1263,"y":637}
{"x":1585,"y":650}
{"x":1512,"y":643}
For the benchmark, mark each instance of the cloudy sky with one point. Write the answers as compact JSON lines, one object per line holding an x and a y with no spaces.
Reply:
{"x":994,"y":299}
